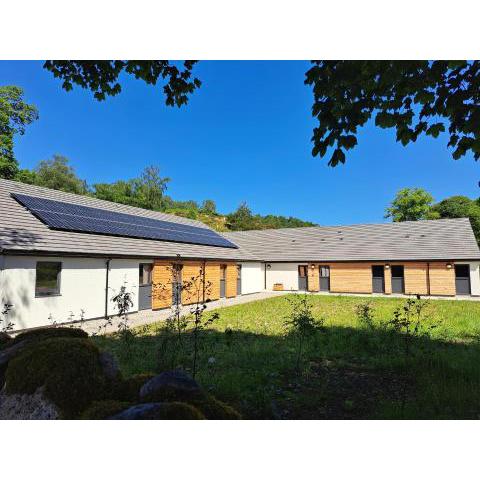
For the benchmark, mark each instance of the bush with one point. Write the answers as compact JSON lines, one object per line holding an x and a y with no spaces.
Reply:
{"x":5,"y":340}
{"x":214,"y":409}
{"x":102,"y":409}
{"x":128,"y":389}
{"x":69,"y":368}
{"x":50,"y":332}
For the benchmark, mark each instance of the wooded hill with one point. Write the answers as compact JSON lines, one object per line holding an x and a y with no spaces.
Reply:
{"x":149,"y":191}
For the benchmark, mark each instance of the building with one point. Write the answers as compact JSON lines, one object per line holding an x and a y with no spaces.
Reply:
{"x":64,"y":257}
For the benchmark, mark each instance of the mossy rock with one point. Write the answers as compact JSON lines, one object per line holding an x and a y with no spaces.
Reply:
{"x":50,"y":332}
{"x":160,"y":411}
{"x":128,"y":389}
{"x":69,"y":368}
{"x":171,"y":386}
{"x":102,"y":409}
{"x":214,"y":409}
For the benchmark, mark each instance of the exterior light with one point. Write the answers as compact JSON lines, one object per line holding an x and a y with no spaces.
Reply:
{"x":312,"y":266}
{"x":387,"y":266}
{"x":269,"y":266}
{"x":449,"y":265}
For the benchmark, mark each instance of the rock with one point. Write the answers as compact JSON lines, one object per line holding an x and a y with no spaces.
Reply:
{"x":171,"y":385}
{"x":109,"y":366}
{"x":159,"y":411}
{"x":27,"y":407}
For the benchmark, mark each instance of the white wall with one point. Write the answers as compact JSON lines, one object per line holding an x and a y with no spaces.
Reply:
{"x":253,"y":277}
{"x":82,"y":286}
{"x":286,"y":273}
{"x":475,"y":278}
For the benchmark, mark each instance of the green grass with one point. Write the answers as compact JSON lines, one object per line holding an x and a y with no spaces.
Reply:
{"x":348,"y":371}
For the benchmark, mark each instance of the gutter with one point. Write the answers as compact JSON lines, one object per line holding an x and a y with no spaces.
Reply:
{"x":107,"y":273}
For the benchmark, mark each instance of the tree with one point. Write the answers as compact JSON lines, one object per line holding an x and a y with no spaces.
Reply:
{"x":461,"y":207}
{"x":101,"y":77}
{"x":147,"y":191}
{"x":242,"y":218}
{"x":152,"y":187}
{"x":411,"y":204}
{"x":414,"y":97}
{"x":15,"y":115}
{"x":209,"y":207}
{"x":56,"y":173}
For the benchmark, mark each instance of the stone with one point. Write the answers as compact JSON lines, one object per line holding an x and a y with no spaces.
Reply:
{"x":109,"y":366}
{"x":174,"y":384}
{"x":27,"y":407}
{"x":159,"y":411}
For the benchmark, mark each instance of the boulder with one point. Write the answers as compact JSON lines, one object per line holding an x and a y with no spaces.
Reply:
{"x":27,"y":407}
{"x":160,"y":411}
{"x":170,"y":385}
{"x":68,"y":368}
{"x":109,"y":366}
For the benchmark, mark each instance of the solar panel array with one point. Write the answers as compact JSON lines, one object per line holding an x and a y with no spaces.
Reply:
{"x":79,"y":218}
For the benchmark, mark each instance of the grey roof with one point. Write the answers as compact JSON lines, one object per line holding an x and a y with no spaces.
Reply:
{"x":21,"y":232}
{"x":446,"y":239}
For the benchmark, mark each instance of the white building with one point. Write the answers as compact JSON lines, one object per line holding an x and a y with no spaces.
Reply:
{"x":64,"y":257}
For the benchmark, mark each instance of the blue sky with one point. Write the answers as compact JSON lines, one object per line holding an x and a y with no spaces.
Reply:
{"x":244,"y":136}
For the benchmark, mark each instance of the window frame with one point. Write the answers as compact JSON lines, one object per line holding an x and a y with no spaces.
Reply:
{"x":58,"y":290}
{"x":141,"y":267}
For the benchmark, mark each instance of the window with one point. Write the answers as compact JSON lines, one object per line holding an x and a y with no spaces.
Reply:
{"x":462,"y":271}
{"x":47,"y":280}
{"x":324,"y":271}
{"x":145,"y":274}
{"x":397,"y":271}
{"x":302,"y":270}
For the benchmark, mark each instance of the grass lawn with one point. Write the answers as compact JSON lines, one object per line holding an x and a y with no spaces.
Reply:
{"x":348,"y":371}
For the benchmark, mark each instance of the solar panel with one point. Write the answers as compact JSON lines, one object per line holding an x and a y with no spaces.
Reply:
{"x":79,"y":218}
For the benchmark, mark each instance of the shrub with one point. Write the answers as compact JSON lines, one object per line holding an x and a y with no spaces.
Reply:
{"x":50,"y":332}
{"x":365,"y":315}
{"x":5,"y":340}
{"x":102,"y":409}
{"x":128,"y":389}
{"x":69,"y":368}
{"x":214,"y":409}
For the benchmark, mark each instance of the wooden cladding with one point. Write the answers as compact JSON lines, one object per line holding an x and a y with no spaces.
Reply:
{"x":161,"y":284}
{"x":313,"y":283}
{"x":442,"y":279}
{"x":351,"y":277}
{"x":420,"y":278}
{"x":192,"y":283}
{"x":212,"y":281}
{"x":231,"y":280}
{"x":198,"y":279}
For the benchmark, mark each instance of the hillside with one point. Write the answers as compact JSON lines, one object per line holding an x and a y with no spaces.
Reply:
{"x":148,"y":191}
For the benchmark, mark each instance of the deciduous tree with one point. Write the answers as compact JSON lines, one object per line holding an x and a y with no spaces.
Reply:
{"x":15,"y":115}
{"x":413,"y":97}
{"x":411,"y":204}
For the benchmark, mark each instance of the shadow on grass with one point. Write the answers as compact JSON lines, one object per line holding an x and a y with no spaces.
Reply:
{"x":347,"y":373}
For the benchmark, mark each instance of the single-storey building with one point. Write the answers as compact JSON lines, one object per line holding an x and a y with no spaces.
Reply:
{"x":64,"y":257}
